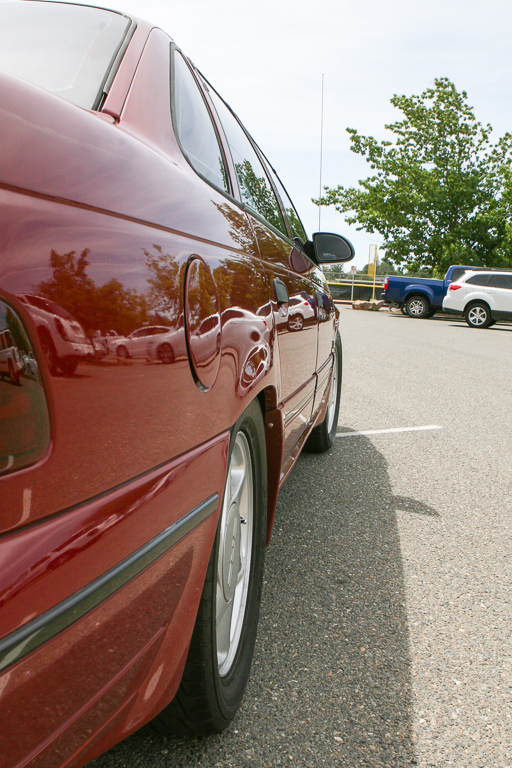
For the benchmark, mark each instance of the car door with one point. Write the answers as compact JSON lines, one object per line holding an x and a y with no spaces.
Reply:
{"x":297,"y":350}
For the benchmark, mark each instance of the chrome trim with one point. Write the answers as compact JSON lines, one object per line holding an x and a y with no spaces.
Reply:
{"x":23,"y":641}
{"x":298,"y":408}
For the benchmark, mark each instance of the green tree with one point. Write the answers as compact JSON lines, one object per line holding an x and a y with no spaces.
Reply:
{"x":438,"y":192}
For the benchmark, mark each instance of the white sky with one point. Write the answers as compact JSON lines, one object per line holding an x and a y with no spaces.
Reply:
{"x":267,"y":58}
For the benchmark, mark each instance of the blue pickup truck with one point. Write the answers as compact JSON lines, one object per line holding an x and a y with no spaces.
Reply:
{"x":420,"y":296}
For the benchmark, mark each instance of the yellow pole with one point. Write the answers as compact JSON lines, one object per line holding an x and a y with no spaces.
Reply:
{"x":374,"y":271}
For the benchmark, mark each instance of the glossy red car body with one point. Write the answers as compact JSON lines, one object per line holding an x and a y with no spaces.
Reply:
{"x":107,"y":522}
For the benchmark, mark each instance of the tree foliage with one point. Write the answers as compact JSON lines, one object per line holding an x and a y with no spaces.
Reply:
{"x":440,"y":192}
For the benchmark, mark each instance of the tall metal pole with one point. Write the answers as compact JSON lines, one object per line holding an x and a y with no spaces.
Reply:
{"x":374,"y":271}
{"x":321,"y":153}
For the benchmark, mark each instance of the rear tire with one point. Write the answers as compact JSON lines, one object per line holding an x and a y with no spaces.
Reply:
{"x":323,"y":436}
{"x":478,"y":315}
{"x":295,"y":322}
{"x":417,"y":307}
{"x":68,"y":365}
{"x":165,"y":353}
{"x":49,"y":352}
{"x":222,"y":646}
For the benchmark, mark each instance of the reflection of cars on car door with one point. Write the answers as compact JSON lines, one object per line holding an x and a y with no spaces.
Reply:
{"x":62,"y":337}
{"x":136,"y":501}
{"x":300,"y":310}
{"x":157,"y":342}
{"x":10,"y":361}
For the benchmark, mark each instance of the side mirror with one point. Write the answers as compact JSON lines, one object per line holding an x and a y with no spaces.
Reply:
{"x":332,"y":249}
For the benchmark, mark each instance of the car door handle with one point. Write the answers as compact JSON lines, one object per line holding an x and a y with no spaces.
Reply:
{"x":281,"y":292}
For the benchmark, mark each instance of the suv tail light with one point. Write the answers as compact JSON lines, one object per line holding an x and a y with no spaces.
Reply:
{"x":386,"y":283}
{"x":454,"y":287}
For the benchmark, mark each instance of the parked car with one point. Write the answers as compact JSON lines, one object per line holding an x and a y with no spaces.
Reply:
{"x":156,"y":341}
{"x":63,"y":339}
{"x":420,"y":297}
{"x":136,"y":500}
{"x":484,"y":298}
{"x":301,"y":309}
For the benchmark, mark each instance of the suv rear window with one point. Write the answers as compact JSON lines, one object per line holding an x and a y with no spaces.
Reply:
{"x":66,"y":49}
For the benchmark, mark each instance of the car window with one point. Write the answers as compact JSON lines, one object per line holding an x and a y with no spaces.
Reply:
{"x":500,"y":281}
{"x":295,"y":223}
{"x":66,"y":49}
{"x":194,"y":126}
{"x":478,"y":280}
{"x":255,"y":187}
{"x":456,"y":274}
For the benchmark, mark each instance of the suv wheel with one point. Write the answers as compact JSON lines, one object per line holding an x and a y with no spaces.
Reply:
{"x":478,"y":315}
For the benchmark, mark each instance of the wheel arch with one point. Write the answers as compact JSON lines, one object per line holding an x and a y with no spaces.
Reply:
{"x":473,"y":302}
{"x":423,"y":294}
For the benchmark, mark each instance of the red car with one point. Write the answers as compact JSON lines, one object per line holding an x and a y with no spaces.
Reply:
{"x":136,"y":498}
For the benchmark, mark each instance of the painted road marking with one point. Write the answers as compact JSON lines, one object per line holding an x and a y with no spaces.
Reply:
{"x":388,"y":431}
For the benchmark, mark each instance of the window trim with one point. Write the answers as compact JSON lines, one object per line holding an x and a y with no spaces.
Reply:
{"x":115,"y":63}
{"x":173,"y":50}
{"x":261,"y":157}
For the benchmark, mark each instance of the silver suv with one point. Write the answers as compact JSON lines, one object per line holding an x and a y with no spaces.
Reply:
{"x":484,"y":298}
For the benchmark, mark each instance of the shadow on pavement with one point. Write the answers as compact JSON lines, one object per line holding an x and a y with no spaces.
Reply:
{"x":331,"y":679}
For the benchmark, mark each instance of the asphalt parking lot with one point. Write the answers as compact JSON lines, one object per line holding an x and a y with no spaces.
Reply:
{"x":385,"y":634}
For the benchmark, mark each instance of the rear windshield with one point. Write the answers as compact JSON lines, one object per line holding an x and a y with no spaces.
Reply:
{"x":65,"y":49}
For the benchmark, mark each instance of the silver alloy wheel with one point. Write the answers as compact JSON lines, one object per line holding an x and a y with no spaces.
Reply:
{"x":477,"y":316}
{"x":416,"y":307}
{"x":333,"y":394}
{"x":296,"y":323}
{"x":235,"y":552}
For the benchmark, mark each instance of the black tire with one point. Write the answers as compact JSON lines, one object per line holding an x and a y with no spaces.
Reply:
{"x":68,"y":365}
{"x":216,"y":674}
{"x":122,"y":353}
{"x":322,"y":437}
{"x":403,"y":309}
{"x":478,"y":315}
{"x":295,"y":322}
{"x":165,"y":353}
{"x":49,"y":352}
{"x":417,"y":306}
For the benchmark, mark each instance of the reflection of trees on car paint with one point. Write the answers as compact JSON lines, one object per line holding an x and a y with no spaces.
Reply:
{"x":94,"y":307}
{"x":164,"y":297}
{"x":259,"y":195}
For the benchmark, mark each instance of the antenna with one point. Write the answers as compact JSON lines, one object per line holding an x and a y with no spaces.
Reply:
{"x":321,"y":153}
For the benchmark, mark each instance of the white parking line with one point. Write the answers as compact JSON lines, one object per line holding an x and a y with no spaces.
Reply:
{"x":388,"y":431}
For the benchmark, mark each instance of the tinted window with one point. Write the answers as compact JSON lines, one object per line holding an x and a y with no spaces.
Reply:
{"x":65,"y":49}
{"x":456,"y":274}
{"x":292,"y":215}
{"x":194,"y":126}
{"x":255,"y":187}
{"x":24,"y":422}
{"x":500,"y":281}
{"x":478,"y":280}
